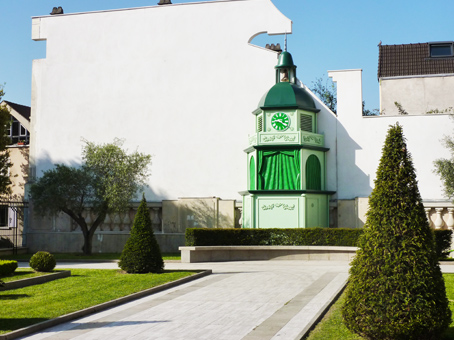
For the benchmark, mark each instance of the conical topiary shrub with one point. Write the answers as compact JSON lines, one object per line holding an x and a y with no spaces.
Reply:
{"x":396,"y":289}
{"x":141,"y":253}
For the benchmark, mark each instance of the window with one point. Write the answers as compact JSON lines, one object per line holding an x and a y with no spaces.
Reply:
{"x":441,"y":50}
{"x":7,"y":217}
{"x":17,"y":132}
{"x":3,"y":215}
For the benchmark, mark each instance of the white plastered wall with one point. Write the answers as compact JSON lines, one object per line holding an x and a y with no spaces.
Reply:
{"x":360,"y":141}
{"x":417,"y":95}
{"x":178,"y":82}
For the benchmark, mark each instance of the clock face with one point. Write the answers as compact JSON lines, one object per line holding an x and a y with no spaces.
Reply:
{"x":280,"y":121}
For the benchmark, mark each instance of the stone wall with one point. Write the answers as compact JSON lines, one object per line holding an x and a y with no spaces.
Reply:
{"x":60,"y":234}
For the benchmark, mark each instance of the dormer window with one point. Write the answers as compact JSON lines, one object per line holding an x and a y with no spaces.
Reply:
{"x":438,"y":50}
{"x":17,"y":132}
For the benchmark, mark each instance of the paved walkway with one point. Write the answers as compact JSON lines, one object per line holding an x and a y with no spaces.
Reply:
{"x":253,"y":300}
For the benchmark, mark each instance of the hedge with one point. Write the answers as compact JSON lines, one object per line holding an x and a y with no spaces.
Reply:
{"x":7,"y":267}
{"x":293,"y":237}
{"x":272,"y":237}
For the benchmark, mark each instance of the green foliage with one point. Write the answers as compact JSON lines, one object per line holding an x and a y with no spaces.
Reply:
{"x":119,"y":175}
{"x":367,"y":112}
{"x":43,"y":261}
{"x":445,"y":168}
{"x":442,"y":242}
{"x":106,"y":182}
{"x":64,"y":189}
{"x":400,"y":109}
{"x":5,"y":163}
{"x":7,"y":267}
{"x":273,"y":237}
{"x":396,"y":290}
{"x":326,"y":91}
{"x":141,"y":253}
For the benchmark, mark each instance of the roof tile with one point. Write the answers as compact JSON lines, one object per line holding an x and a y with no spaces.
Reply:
{"x":409,"y":60}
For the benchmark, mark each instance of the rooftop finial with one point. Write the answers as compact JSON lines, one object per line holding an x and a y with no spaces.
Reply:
{"x":285,"y":43}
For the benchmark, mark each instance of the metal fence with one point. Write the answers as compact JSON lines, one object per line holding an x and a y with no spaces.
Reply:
{"x":12,"y":214}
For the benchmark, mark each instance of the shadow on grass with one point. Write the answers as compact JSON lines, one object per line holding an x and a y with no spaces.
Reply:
{"x":19,"y":273}
{"x":449,"y":334}
{"x":13,"y":297}
{"x":8,"y":325}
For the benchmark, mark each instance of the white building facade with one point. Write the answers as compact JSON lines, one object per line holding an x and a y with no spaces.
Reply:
{"x":179,"y":82}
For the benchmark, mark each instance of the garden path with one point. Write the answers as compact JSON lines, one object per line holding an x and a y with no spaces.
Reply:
{"x":250,"y":300}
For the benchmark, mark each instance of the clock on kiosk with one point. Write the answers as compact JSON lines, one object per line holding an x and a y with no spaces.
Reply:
{"x":280,"y":121}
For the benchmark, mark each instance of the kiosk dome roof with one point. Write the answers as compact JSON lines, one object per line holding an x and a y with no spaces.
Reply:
{"x":287,"y":95}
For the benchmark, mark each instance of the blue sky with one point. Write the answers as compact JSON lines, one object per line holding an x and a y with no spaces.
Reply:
{"x":327,"y":35}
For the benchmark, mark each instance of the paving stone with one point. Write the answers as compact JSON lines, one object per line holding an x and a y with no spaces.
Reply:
{"x":241,"y":300}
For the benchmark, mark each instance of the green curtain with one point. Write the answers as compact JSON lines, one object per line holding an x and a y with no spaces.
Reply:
{"x":313,"y":173}
{"x":279,"y":170}
{"x":252,"y":174}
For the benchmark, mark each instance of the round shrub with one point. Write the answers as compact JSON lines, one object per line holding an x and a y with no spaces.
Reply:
{"x":7,"y":267}
{"x":43,"y":261}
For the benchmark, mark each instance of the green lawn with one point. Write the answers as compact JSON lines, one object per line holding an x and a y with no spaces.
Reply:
{"x":332,"y":326}
{"x":22,"y":273}
{"x":98,"y":256}
{"x":85,"y":288}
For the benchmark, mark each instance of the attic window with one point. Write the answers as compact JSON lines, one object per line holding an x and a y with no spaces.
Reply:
{"x":441,"y":50}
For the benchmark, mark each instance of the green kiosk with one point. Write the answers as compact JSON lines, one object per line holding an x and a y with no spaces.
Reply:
{"x":286,"y":158}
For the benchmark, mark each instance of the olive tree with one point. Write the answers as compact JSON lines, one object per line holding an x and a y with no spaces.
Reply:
{"x":106,"y":182}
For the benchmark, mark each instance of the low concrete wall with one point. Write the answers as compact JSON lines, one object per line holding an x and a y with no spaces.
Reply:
{"x":260,"y":253}
{"x":35,"y":280}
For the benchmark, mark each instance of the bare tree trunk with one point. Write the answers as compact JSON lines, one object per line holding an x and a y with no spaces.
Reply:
{"x":87,"y":232}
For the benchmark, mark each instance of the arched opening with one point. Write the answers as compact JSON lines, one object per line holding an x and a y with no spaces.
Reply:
{"x":279,"y":170}
{"x":252,"y":174}
{"x":313,"y":173}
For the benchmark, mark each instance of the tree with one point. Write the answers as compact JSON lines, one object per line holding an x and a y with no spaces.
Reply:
{"x":106,"y":182}
{"x":141,"y":253}
{"x":326,"y":91}
{"x":396,"y":289}
{"x":445,"y":169}
{"x":367,"y":112}
{"x":5,"y":163}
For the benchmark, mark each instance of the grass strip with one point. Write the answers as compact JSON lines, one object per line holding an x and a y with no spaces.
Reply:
{"x":332,"y":327}
{"x":23,"y":273}
{"x":84,"y":288}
